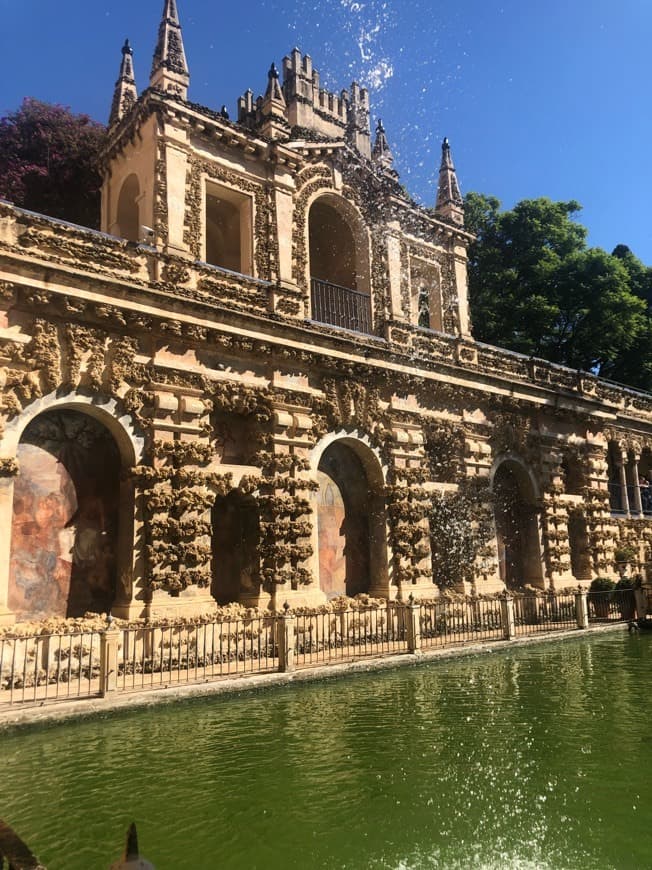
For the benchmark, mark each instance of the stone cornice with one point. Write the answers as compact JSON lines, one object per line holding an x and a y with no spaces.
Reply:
{"x":46,"y":256}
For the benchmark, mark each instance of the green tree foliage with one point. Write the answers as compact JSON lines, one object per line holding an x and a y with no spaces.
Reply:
{"x":49,"y":162}
{"x":537,"y":288}
{"x":634,"y":365}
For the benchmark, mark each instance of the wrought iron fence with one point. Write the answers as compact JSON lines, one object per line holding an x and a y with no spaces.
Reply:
{"x":157,"y":656}
{"x":449,"y":622}
{"x":349,"y":634}
{"x":614,"y":606}
{"x":49,"y":667}
{"x":340,"y":306}
{"x":547,"y":612}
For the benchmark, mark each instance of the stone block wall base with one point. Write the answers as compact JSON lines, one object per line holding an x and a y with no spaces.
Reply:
{"x":7,"y":617}
{"x":257,"y":600}
{"x":134,"y":610}
{"x":390,"y":593}
{"x":566,"y":581}
{"x":416,"y":590}
{"x":189,"y":603}
{"x":302,"y":597}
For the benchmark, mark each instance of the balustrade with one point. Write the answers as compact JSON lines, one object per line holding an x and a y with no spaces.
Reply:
{"x":340,"y":306}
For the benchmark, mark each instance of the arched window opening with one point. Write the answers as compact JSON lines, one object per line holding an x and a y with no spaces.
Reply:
{"x":578,"y":539}
{"x":236,"y":535}
{"x":517,"y":527}
{"x":425,"y":295}
{"x":128,"y":213}
{"x":65,"y":543}
{"x":228,"y":229}
{"x":350,"y":519}
{"x":339,"y":277}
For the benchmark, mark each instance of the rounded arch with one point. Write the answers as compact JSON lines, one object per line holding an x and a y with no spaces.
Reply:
{"x":351,"y":530}
{"x":338,"y":268}
{"x":361,"y":445}
{"x":68,"y":518}
{"x":127,"y":212}
{"x":106,"y":411}
{"x":522,"y":471}
{"x":516,"y":515}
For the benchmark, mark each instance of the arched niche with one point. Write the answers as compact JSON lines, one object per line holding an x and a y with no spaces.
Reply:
{"x":128,"y":216}
{"x":72,"y":520}
{"x":578,"y":542}
{"x":235,"y":539}
{"x":351,"y":519}
{"x":339,"y":264}
{"x":517,"y":525}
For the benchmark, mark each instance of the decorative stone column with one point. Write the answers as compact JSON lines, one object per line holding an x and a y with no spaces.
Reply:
{"x":638,"y":504}
{"x":621,"y":464}
{"x":8,"y":470}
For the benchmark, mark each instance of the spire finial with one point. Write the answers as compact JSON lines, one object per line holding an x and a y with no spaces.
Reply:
{"x":170,"y":71}
{"x":381,"y":153}
{"x":273,"y":108}
{"x":125,"y":93}
{"x":449,"y":205}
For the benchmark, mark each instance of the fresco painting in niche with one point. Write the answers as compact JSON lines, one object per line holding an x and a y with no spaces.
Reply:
{"x":343,"y":522}
{"x":65,"y":518}
{"x":330,"y":524}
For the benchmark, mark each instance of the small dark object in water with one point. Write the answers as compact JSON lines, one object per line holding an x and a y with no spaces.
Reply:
{"x":643,"y":624}
{"x":15,"y":852}
{"x":132,"y":859}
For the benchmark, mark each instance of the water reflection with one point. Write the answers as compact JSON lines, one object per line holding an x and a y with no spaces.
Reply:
{"x":528,"y":758}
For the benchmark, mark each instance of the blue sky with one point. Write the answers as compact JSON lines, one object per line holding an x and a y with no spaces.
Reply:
{"x":538,"y":98}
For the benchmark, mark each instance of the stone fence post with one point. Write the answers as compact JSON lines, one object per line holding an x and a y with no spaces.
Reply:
{"x":286,"y":627}
{"x":413,"y":613}
{"x":641,"y":598}
{"x":582,"y":609}
{"x":507,"y":614}
{"x":109,"y":642}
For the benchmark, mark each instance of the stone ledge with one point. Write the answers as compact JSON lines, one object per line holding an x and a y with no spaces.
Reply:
{"x":60,"y":712}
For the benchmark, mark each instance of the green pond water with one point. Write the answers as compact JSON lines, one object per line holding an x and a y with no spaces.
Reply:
{"x":536,"y":757}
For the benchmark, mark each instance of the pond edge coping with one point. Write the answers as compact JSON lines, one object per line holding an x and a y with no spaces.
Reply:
{"x":85,"y":708}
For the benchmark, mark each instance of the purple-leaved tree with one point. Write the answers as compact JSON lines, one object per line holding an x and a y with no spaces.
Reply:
{"x":49,"y":161}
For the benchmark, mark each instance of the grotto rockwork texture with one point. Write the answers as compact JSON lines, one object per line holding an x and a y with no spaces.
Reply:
{"x":260,"y":384}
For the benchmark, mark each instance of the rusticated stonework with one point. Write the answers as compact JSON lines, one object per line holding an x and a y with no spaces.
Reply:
{"x":176,"y":433}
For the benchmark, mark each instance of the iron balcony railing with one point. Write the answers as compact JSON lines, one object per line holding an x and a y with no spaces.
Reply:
{"x":340,"y":306}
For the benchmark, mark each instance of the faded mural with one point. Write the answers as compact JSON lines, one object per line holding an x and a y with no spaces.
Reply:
{"x":343,"y":523}
{"x":65,"y":517}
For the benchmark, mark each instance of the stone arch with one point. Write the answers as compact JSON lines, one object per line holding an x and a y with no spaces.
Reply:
{"x":516,"y":515}
{"x":127,"y":212}
{"x":38,"y":470}
{"x":235,"y":520}
{"x":350,"y":535}
{"x":338,"y":268}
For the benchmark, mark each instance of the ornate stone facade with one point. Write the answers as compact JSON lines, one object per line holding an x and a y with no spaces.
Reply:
{"x":272,"y":343}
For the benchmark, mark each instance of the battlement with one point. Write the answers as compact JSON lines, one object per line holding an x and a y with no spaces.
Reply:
{"x":311,"y":107}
